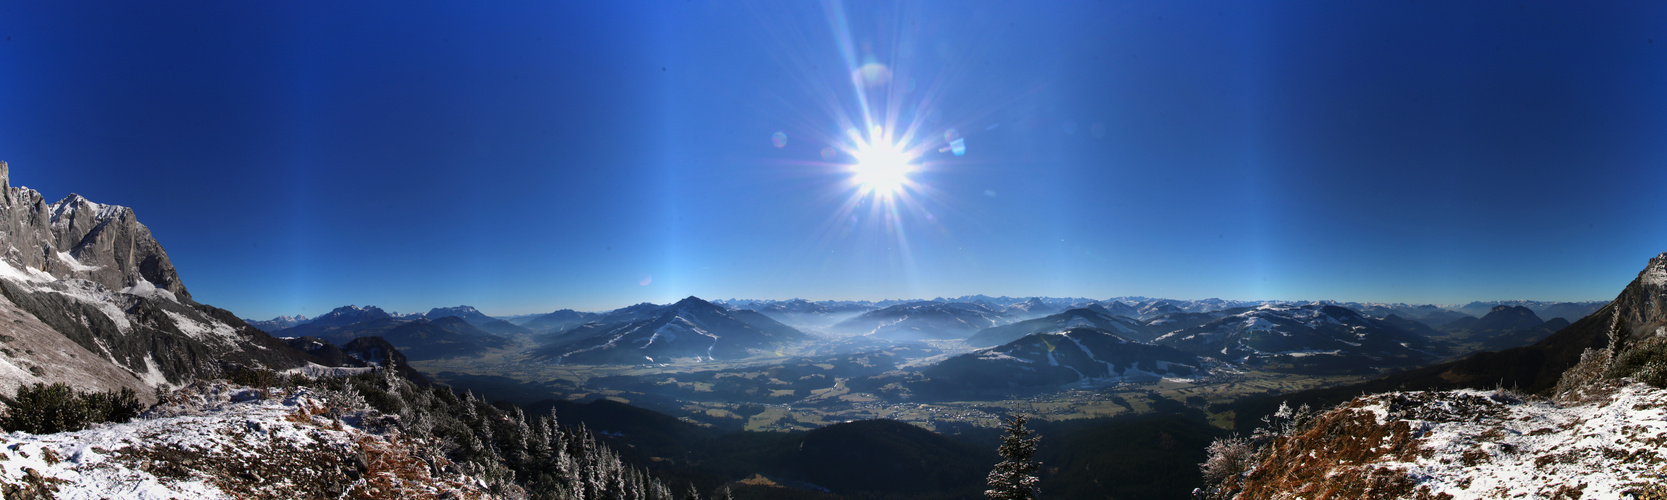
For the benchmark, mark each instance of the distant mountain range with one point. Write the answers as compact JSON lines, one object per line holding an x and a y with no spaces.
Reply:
{"x":1093,"y":316}
{"x":1357,"y":337}
{"x":557,"y":321}
{"x":477,"y":319}
{"x":1503,"y":327}
{"x":1569,"y":311}
{"x":279,"y":323}
{"x":1077,"y":354}
{"x":937,"y":319}
{"x":441,"y":333}
{"x":809,"y":314}
{"x":646,"y":333}
{"x":1307,"y":337}
{"x":924,"y":320}
{"x":1346,"y":337}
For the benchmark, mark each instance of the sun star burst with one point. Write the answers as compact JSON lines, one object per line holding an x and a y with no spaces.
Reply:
{"x":881,"y":169}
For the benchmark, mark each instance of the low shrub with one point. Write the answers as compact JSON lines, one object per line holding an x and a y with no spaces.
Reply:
{"x":47,"y":409}
{"x":1645,"y":361}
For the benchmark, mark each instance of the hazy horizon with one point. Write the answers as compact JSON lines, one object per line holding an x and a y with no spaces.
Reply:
{"x":525,"y":157}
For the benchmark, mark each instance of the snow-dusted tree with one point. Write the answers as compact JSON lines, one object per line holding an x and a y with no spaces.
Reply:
{"x":512,"y":436}
{"x":1015,"y":477}
{"x":468,"y":414}
{"x":1229,"y":459}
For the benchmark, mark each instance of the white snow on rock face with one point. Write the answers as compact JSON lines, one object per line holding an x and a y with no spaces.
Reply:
{"x":1656,"y":273}
{"x":76,"y":265}
{"x":145,"y":288}
{"x":1487,"y":444}
{"x":69,"y":207}
{"x":94,"y":294}
{"x":26,"y":275}
{"x":214,"y":331}
{"x":223,"y":441}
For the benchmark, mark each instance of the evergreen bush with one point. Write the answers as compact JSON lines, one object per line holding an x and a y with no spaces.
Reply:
{"x":48,"y":409}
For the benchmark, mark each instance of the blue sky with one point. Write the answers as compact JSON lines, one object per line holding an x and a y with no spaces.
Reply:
{"x":524,"y":157}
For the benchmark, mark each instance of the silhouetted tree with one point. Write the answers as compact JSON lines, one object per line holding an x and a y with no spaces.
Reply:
{"x":1015,"y":477}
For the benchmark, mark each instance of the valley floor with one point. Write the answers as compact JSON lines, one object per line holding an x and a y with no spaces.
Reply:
{"x":695,"y":392}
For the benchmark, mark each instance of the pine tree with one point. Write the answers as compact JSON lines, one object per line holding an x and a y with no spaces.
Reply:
{"x":1015,"y":477}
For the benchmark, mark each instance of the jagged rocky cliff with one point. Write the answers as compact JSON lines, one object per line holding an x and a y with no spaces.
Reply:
{"x":77,"y":238}
{"x":90,"y":298}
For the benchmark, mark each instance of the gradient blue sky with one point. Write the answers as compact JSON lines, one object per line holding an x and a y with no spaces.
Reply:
{"x":524,"y":157}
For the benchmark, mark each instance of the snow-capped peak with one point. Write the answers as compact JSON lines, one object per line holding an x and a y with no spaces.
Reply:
{"x":1656,"y":273}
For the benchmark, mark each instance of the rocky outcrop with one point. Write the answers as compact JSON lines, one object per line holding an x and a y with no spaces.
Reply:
{"x":1454,"y":444}
{"x":222,"y":441}
{"x":76,"y":238}
{"x":95,"y":302}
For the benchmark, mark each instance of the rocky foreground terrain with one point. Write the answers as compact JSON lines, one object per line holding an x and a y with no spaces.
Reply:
{"x":1599,"y":432}
{"x":226,"y":441}
{"x":1472,"y":444}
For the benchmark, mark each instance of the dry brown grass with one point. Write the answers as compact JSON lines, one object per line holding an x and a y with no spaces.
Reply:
{"x":1334,"y":459}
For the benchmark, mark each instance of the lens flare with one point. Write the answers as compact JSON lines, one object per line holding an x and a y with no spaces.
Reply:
{"x":873,"y":74}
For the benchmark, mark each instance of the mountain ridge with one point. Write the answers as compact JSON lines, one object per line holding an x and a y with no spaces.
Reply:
{"x":689,"y":328}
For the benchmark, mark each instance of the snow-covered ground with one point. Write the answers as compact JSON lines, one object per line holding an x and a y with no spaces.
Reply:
{"x":1538,"y":449}
{"x":1491,"y":444}
{"x":222,"y":441}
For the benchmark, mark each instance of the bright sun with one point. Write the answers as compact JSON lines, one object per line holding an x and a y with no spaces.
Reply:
{"x":881,"y":169}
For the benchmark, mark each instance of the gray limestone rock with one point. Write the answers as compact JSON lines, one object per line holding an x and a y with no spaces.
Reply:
{"x":77,"y":238}
{"x":88,"y":296}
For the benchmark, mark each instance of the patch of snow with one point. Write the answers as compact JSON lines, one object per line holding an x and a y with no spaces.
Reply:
{"x":144,"y":288}
{"x":200,"y":435}
{"x":1514,"y":449}
{"x":1077,"y":321}
{"x":1656,"y":273}
{"x":153,"y":374}
{"x":315,"y":370}
{"x":211,"y":331}
{"x":1311,"y":352}
{"x":12,"y":273}
{"x":94,"y":294}
{"x":9,"y":371}
{"x":994,"y":355}
{"x":76,"y":265}
{"x":1256,"y":323}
